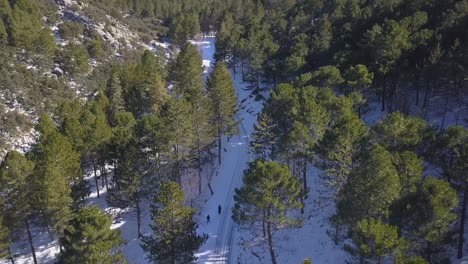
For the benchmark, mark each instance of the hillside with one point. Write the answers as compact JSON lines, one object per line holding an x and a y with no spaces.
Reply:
{"x":233,"y":131}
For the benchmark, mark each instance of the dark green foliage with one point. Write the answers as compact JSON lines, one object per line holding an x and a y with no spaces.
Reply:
{"x":268,"y":194}
{"x":115,"y":93}
{"x":174,"y":239}
{"x":186,"y":72}
{"x":371,"y":188}
{"x":57,"y":171}
{"x":89,"y":239}
{"x":223,"y":102}
{"x":374,"y":240}
{"x":426,"y":215}
{"x":183,"y":28}
{"x":409,"y":167}
{"x":399,"y":132}
{"x":70,"y":30}
{"x":4,"y":239}
{"x":74,"y":59}
{"x":18,"y":199}
{"x":143,"y":87}
{"x":263,"y":137}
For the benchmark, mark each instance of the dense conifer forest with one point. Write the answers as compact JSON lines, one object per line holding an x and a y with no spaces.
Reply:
{"x":112,"y":98}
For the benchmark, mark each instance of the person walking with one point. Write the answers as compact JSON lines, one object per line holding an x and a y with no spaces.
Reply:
{"x":219,"y":209}
{"x":208,"y":219}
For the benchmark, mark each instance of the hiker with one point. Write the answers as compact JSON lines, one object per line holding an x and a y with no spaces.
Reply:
{"x":208,"y":219}
{"x":219,"y":209}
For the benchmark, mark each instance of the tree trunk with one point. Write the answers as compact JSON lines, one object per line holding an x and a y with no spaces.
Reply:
{"x":177,"y":165}
{"x":426,"y":94}
{"x":95,"y":177}
{"x":445,"y":113}
{"x":138,"y":211}
{"x":304,"y":180}
{"x":257,"y":79}
{"x":263,"y":224}
{"x":461,"y":231}
{"x":417,"y":90}
{"x":211,"y":189}
{"x":383,"y":95}
{"x":242,"y":69}
{"x":234,"y":68}
{"x":270,"y":241}
{"x":199,"y":170}
{"x":101,"y":170}
{"x":33,"y":251}
{"x":10,"y":255}
{"x":49,"y":232}
{"x":219,"y":147}
{"x":428,"y":252}
{"x":105,"y":176}
{"x":304,"y":174}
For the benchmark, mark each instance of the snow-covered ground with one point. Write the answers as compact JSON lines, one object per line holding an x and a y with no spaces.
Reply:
{"x":221,"y":229}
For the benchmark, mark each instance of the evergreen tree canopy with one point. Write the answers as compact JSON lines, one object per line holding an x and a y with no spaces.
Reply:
{"x":89,"y":239}
{"x":270,"y":192}
{"x":371,"y":188}
{"x":174,"y":238}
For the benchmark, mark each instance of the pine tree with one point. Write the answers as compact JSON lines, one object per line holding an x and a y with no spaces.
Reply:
{"x":98,"y":132}
{"x":437,"y":201}
{"x":150,"y":81}
{"x":187,"y":72}
{"x":358,"y":78}
{"x":283,"y":98}
{"x":25,"y":24}
{"x":128,"y":184}
{"x":310,"y":119}
{"x":3,"y":33}
{"x":45,"y":42}
{"x":397,"y":132}
{"x":71,"y":116}
{"x":222,"y":95}
{"x":409,"y":167}
{"x":57,"y":170}
{"x":155,"y":135}
{"x":18,"y":192}
{"x":5,"y":240}
{"x":178,"y":116}
{"x":426,"y":215}
{"x":374,"y":240}
{"x":268,"y":194}
{"x":340,"y":145}
{"x":174,"y":239}
{"x":204,"y":133}
{"x":263,"y":137}
{"x":89,"y":239}
{"x":116,"y":101}
{"x":371,"y":188}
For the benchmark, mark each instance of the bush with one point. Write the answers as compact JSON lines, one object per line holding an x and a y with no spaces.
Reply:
{"x":71,"y":30}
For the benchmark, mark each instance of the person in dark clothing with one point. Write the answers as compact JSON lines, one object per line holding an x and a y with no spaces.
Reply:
{"x":219,"y":209}
{"x":208,"y":219}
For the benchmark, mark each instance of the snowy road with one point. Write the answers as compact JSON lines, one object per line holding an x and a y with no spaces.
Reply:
{"x":221,"y":229}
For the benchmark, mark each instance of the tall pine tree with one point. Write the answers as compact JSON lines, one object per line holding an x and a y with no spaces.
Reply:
{"x":17,"y":193}
{"x":269,"y":193}
{"x":174,"y":238}
{"x":222,"y":95}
